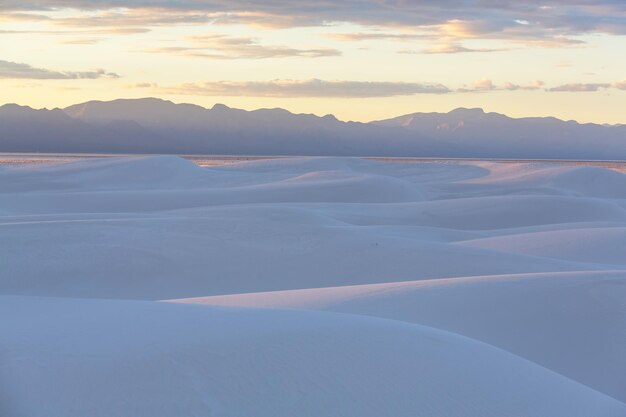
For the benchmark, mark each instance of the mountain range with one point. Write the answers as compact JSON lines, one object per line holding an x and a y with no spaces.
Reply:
{"x":153,"y":125}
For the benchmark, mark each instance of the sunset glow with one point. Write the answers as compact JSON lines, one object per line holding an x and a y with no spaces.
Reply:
{"x":360,"y":60}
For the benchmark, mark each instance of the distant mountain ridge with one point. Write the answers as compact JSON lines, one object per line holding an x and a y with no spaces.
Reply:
{"x":152,"y":125}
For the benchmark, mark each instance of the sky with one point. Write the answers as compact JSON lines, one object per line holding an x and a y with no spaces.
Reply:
{"x":358,"y":59}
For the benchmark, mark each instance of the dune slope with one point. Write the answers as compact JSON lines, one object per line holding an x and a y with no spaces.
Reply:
{"x":115,"y":358}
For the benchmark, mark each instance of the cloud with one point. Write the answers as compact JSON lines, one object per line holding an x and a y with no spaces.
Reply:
{"x":620,"y":85}
{"x":14,"y":70}
{"x":358,"y":89}
{"x":547,"y":23}
{"x":533,"y":34}
{"x":589,"y":87}
{"x":81,"y":41}
{"x":136,"y":18}
{"x":143,"y":85}
{"x":580,"y":87}
{"x":455,"y":48}
{"x":104,"y":32}
{"x":21,"y":17}
{"x":223,"y":47}
{"x":307,"y":88}
{"x":374,"y":36}
{"x":440,"y":45}
{"x":534,"y":85}
{"x":484,"y":85}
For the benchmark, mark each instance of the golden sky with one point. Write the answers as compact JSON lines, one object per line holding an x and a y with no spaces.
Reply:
{"x":358,"y":59}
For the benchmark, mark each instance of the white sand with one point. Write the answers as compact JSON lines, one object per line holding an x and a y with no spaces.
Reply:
{"x":464,"y":289}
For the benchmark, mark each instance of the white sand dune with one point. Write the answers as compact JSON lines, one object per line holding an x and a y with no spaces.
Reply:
{"x":593,"y":245}
{"x":561,"y":179}
{"x":230,"y":250}
{"x":71,"y":358}
{"x":571,"y":322}
{"x":595,"y":182}
{"x":446,"y":289}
